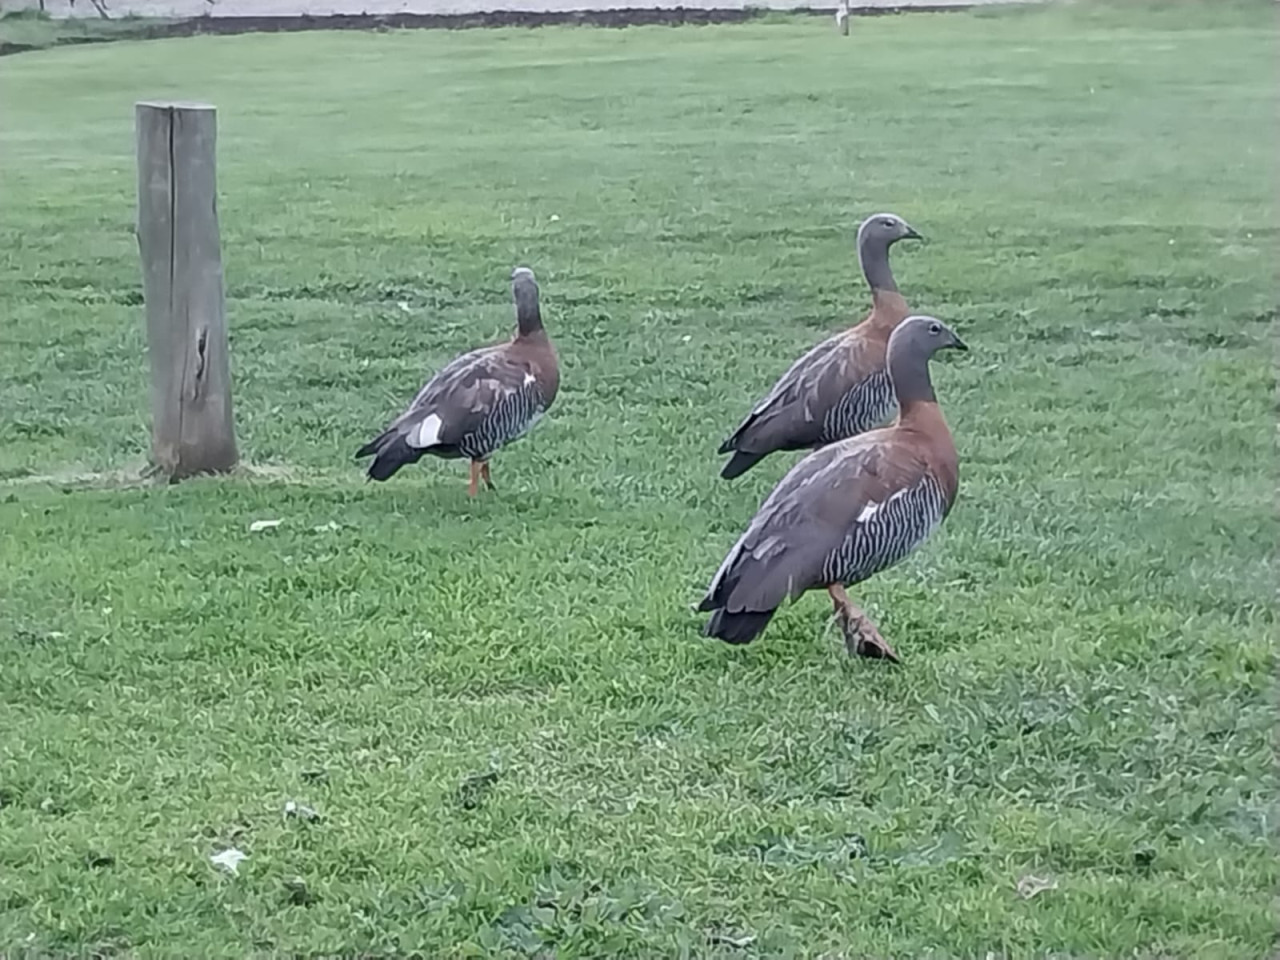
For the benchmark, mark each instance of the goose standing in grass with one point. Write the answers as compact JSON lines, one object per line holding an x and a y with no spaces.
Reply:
{"x":838,"y":389}
{"x":848,"y":510}
{"x":479,"y":402}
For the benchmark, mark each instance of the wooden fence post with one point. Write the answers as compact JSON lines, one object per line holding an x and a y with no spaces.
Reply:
{"x":842,"y":17}
{"x":193,"y":426}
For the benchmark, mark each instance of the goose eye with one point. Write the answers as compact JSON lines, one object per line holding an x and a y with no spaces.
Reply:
{"x":886,"y":223}
{"x":935,"y":328}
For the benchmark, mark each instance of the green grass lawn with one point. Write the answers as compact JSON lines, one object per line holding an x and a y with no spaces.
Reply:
{"x":516,"y":740}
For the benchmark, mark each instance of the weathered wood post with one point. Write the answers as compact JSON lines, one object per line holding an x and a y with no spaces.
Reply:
{"x":193,"y":427}
{"x":842,"y":17}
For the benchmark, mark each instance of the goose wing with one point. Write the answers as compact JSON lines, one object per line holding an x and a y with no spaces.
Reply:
{"x":830,"y":504}
{"x":458,"y":400}
{"x":792,"y":414}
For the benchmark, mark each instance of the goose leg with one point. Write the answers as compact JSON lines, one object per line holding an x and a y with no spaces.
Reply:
{"x":484,"y":475}
{"x":860,"y":635}
{"x":473,"y":485}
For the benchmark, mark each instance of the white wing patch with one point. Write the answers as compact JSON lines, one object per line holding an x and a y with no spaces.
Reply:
{"x":872,"y":508}
{"x":529,"y":378}
{"x":428,"y":432}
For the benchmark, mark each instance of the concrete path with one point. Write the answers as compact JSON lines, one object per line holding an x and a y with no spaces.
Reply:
{"x":293,"y":8}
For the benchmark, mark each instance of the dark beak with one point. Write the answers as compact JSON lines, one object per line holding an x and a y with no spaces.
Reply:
{"x":958,"y":343}
{"x":912,"y":235}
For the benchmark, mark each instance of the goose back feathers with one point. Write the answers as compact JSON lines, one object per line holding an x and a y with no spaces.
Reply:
{"x":479,"y":402}
{"x":848,"y":510}
{"x":836,"y":390}
{"x":840,"y":388}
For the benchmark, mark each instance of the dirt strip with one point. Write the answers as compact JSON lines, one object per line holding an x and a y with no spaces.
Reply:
{"x":613,"y":18}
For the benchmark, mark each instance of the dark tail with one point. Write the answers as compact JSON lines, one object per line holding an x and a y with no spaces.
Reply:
{"x":373,"y":445}
{"x":741,"y":463}
{"x":391,"y":452}
{"x":737,"y":627}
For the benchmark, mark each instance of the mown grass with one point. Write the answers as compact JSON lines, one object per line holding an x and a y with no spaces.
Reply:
{"x":517,"y":742}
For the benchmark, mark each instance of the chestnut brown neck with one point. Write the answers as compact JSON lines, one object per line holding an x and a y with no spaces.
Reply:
{"x":888,"y":309}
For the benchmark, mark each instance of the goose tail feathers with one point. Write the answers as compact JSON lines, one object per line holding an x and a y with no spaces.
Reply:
{"x":737,"y":628}
{"x":390,"y":452}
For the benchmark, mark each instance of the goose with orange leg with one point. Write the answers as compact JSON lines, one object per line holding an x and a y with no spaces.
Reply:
{"x":478,"y":403}
{"x":848,"y":510}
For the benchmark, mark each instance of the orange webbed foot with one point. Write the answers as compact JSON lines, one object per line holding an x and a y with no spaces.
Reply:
{"x":861,"y":637}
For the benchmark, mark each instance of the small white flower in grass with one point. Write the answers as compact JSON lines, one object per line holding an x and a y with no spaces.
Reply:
{"x":687,"y":337}
{"x":555,"y":218}
{"x":1029,"y":886}
{"x":259,"y":525}
{"x":729,"y":940}
{"x":300,"y":811}
{"x":403,"y":306}
{"x":229,"y":860}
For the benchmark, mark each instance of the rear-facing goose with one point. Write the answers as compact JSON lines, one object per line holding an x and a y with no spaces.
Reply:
{"x":848,"y":510}
{"x":479,"y":402}
{"x":838,"y":389}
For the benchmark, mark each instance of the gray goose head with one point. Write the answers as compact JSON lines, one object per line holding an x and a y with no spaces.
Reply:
{"x":911,"y":347}
{"x":876,"y":235}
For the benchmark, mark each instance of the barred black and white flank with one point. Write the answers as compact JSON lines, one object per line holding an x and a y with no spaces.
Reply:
{"x":848,"y":510}
{"x":480,"y":402}
{"x":866,"y":406}
{"x":884,"y":533}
